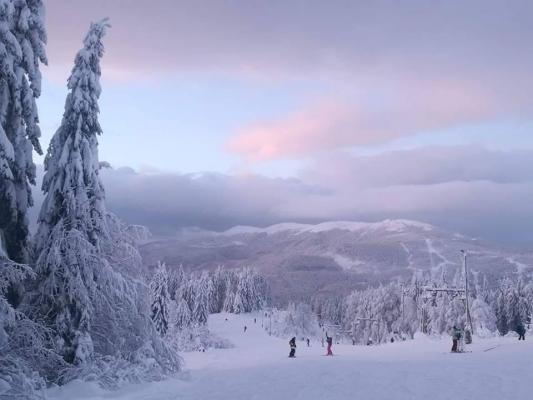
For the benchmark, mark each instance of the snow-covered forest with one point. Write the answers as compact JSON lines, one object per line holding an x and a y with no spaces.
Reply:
{"x":181,"y":302}
{"x":398,"y":311}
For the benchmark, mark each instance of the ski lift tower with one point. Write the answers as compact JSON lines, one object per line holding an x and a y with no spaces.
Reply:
{"x":467,"y":304}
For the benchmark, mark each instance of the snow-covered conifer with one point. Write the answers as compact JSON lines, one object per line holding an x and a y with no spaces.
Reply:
{"x":74,"y":192}
{"x":72,"y":221}
{"x":182,"y":314}
{"x":85,"y":292}
{"x":238,"y":306}
{"x":159,"y":299}
{"x":175,"y":279}
{"x":219,"y":287}
{"x":202,"y":291}
{"x":22,"y":40}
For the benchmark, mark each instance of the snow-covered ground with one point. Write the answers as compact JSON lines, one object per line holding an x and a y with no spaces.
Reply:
{"x":258,"y":368}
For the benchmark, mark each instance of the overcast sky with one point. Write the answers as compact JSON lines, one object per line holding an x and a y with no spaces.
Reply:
{"x":218,"y":113}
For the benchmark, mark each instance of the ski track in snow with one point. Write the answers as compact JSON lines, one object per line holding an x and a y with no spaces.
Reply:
{"x":520,"y":267}
{"x":433,"y":252}
{"x":258,"y":369}
{"x":410,"y":264}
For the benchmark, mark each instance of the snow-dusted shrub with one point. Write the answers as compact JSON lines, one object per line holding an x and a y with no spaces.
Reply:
{"x":300,"y":321}
{"x":195,"y":338}
{"x":483,"y":318}
{"x":297,"y":320}
{"x":24,"y":344}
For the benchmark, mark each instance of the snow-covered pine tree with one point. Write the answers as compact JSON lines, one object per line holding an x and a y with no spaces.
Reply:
{"x":219,"y":287}
{"x":210,"y":291}
{"x":159,"y":299}
{"x":175,"y":280}
{"x":231,"y":283}
{"x":95,"y":306}
{"x":483,"y":318}
{"x":22,"y":41}
{"x":499,"y":308}
{"x":182,"y":314}
{"x":243,"y":294}
{"x":200,"y":311}
{"x":74,"y":193}
{"x":229,"y":301}
{"x":513,"y":304}
{"x":72,"y":221}
{"x":238,"y":303}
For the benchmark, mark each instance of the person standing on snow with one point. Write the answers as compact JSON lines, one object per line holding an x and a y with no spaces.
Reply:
{"x":521,"y":330}
{"x":308,"y":342}
{"x":245,"y":327}
{"x":329,"y":340}
{"x":292,"y":344}
{"x":456,"y":336}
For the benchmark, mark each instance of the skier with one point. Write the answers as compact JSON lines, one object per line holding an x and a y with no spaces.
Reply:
{"x":329,"y":340}
{"x":308,"y":342}
{"x":292,"y":344}
{"x":456,"y":336}
{"x":521,"y":330}
{"x":245,"y":327}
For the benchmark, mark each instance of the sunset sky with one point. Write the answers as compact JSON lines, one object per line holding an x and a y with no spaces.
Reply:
{"x":256,"y":112}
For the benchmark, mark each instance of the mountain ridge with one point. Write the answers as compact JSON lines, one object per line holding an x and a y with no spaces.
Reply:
{"x":302,"y":260}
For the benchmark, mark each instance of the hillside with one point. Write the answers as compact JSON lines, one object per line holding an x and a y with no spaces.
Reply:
{"x":334,"y":257}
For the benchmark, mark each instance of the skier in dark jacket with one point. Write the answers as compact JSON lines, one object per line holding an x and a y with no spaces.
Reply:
{"x":292,"y":344}
{"x":456,"y":336}
{"x":329,"y":340}
{"x":521,"y":330}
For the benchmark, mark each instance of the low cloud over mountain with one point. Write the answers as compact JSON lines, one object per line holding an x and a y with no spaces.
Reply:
{"x":465,"y":189}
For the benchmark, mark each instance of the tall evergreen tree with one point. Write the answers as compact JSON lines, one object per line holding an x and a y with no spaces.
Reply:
{"x":71,"y":271}
{"x":74,"y":193}
{"x":22,"y":41}
{"x":95,"y":305}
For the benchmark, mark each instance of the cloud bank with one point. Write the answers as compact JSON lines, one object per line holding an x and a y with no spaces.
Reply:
{"x":465,"y":189}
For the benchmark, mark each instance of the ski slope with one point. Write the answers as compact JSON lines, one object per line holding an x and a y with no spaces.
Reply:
{"x":258,"y":368}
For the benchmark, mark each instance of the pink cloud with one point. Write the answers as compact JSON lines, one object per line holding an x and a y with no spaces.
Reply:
{"x":407,"y":109}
